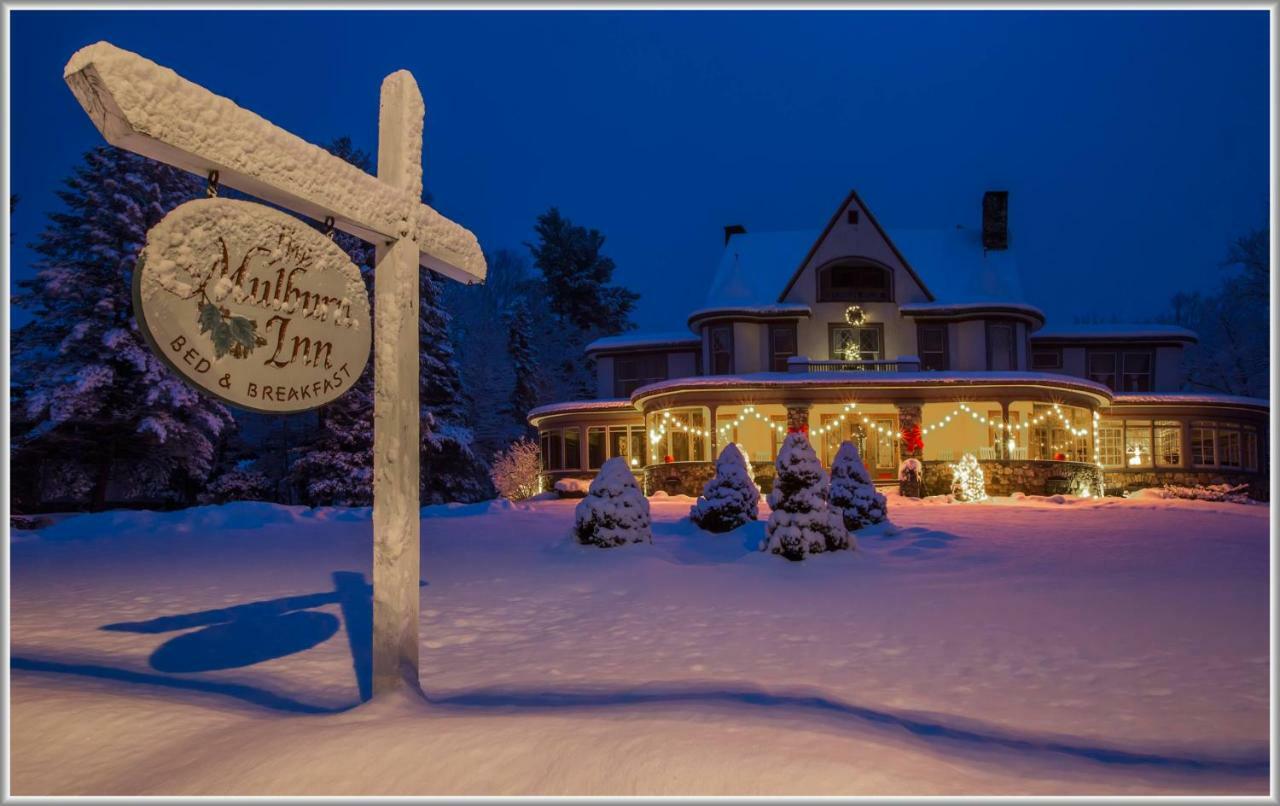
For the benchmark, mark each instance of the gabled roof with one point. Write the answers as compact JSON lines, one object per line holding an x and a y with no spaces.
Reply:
{"x":949,"y":263}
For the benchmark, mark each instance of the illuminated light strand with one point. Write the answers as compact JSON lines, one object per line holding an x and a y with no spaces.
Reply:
{"x":750,"y":411}
{"x":1008,"y":427}
{"x":838,"y":421}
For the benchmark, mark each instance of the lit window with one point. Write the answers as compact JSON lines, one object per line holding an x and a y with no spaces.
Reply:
{"x":1168,"y":444}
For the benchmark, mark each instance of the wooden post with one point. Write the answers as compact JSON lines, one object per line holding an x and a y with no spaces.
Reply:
{"x":396,"y":438}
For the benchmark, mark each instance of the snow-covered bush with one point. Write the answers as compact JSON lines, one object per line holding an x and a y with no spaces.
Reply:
{"x":802,"y":523}
{"x":240,"y":483}
{"x":730,"y":498}
{"x":614,"y":512}
{"x":1230,"y":493}
{"x":968,"y":483}
{"x":852,"y":491}
{"x":516,"y":472}
{"x":572,"y":488}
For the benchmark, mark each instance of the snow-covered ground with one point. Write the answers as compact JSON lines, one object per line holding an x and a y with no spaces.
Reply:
{"x":1011,"y":647}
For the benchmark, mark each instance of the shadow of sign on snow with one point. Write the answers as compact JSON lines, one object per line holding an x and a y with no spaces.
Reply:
{"x":244,"y":635}
{"x":924,"y":727}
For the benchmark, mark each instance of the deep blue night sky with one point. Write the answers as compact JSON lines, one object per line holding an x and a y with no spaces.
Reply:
{"x":1134,"y":145}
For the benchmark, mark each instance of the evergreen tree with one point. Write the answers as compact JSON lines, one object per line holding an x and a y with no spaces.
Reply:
{"x":802,"y":523}
{"x":577,"y":276}
{"x":524,"y":387}
{"x":730,"y":498}
{"x":96,"y":406}
{"x":853,"y":492}
{"x":450,"y":469}
{"x":583,"y":307}
{"x":614,"y":512}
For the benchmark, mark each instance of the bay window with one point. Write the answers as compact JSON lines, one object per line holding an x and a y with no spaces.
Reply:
{"x":604,"y":443}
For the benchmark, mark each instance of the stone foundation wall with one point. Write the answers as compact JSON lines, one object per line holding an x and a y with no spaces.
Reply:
{"x":1030,"y":477}
{"x":1121,"y":481}
{"x":688,"y":478}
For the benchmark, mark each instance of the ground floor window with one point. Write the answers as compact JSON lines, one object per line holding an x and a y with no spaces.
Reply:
{"x":678,"y":435}
{"x":1060,"y":433}
{"x":874,"y":438}
{"x":561,"y":448}
{"x":606,"y":442}
{"x":1139,"y":443}
{"x":1226,"y":445}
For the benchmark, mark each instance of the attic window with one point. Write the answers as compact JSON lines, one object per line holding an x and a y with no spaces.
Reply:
{"x":855,"y":282}
{"x":853,"y":216}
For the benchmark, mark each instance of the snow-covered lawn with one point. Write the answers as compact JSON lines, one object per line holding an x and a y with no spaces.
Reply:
{"x":1110,"y":646}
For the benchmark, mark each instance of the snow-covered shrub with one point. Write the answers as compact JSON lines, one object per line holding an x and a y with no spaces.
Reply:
{"x":572,"y":488}
{"x":802,"y":522}
{"x":730,"y":498}
{"x":968,"y":483}
{"x":1230,"y":493}
{"x":516,"y":472}
{"x":852,"y":491}
{"x":614,"y":512}
{"x":240,"y":483}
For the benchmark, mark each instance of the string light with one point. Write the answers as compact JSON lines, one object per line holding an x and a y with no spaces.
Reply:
{"x":657,"y":435}
{"x":836,"y":423}
{"x":750,"y":411}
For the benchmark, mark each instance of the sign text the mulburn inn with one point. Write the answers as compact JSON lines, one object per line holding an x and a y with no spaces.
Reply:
{"x":253,"y":306}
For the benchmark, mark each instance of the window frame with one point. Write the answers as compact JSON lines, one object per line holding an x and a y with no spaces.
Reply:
{"x":1122,"y":373}
{"x":1091,"y":354}
{"x":1055,"y":352}
{"x":825,"y":289}
{"x":774,"y":354}
{"x":833,"y":327}
{"x":991,"y":325}
{"x":945,"y":364}
{"x":711,"y":349}
{"x":658,"y":361}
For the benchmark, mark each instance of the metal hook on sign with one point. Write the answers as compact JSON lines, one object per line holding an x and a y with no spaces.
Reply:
{"x":212,"y":190}
{"x":328,"y":226}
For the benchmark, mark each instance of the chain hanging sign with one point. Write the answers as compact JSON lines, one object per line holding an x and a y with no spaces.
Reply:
{"x":252,"y":305}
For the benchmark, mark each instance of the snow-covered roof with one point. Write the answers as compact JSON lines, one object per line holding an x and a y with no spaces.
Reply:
{"x":1101,"y":332}
{"x":819,"y":379}
{"x":943,"y":308}
{"x":632,"y":341}
{"x":954,"y":266}
{"x":776,"y":309}
{"x":1190,"y":398}
{"x":756,"y":266}
{"x":604,"y":404}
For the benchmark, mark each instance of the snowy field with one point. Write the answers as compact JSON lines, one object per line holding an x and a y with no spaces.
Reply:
{"x":1011,"y":647}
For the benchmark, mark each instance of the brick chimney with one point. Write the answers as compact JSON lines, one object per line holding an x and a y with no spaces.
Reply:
{"x":732,"y":230}
{"x":995,"y":219}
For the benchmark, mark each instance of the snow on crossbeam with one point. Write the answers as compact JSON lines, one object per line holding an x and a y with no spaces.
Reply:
{"x":143,"y":107}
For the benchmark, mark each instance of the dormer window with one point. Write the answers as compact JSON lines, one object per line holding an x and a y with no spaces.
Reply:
{"x":855,"y":281}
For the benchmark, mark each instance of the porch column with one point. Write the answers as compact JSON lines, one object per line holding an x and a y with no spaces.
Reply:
{"x":797,"y":417}
{"x":715,"y":431}
{"x":909,"y":414}
{"x":1003,"y":451}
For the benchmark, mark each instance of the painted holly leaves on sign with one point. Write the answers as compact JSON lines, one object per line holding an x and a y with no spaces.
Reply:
{"x":237,"y":335}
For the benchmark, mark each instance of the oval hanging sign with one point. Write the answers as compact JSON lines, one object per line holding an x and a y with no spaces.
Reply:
{"x":252,"y":305}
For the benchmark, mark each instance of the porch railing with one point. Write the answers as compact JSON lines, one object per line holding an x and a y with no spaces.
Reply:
{"x":802,"y":363}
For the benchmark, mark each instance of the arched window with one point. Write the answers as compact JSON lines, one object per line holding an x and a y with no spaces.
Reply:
{"x":855,"y":281}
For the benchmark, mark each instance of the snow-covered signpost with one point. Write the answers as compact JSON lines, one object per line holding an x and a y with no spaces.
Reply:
{"x":151,"y":110}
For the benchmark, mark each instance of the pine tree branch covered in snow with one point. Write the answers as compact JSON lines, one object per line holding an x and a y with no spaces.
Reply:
{"x":614,"y":512}
{"x":852,"y":491}
{"x":802,"y":523}
{"x":97,"y":415}
{"x":730,"y":498}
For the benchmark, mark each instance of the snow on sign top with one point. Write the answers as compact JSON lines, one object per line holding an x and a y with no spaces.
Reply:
{"x":252,"y":305}
{"x":149,"y":109}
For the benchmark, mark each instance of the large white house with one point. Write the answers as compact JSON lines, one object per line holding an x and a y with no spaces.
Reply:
{"x":862,"y":333}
